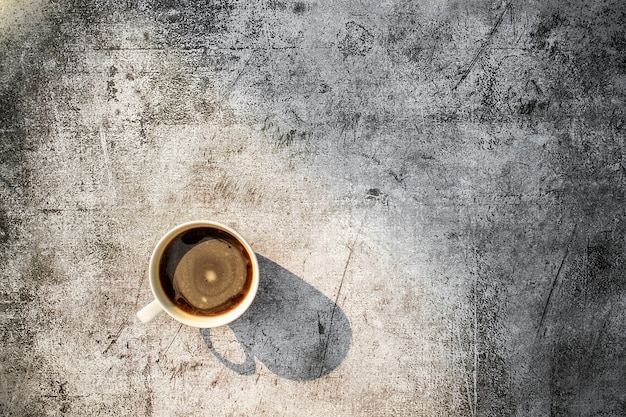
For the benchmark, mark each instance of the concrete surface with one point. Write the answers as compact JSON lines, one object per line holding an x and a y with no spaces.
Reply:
{"x":436,"y":190}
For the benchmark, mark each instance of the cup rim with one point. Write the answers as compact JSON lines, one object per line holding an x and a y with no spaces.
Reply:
{"x":177,"y":313}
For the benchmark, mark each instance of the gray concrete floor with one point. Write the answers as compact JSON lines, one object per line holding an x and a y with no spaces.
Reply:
{"x":435,"y":190}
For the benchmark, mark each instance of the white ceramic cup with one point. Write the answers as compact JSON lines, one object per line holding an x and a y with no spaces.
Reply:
{"x":163,"y":303}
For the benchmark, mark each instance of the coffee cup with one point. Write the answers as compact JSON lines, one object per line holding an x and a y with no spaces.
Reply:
{"x":203,"y":274}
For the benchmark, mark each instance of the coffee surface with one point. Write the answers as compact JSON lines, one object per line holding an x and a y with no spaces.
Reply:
{"x":205,"y":271}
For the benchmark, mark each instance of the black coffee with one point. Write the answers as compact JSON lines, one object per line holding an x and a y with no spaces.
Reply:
{"x":205,"y":271}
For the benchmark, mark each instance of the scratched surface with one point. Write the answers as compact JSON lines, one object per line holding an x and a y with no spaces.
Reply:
{"x":435,"y":188}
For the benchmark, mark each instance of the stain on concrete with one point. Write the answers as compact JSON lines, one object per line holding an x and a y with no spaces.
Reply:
{"x":299,"y":7}
{"x":356,"y":40}
{"x":184,"y":22}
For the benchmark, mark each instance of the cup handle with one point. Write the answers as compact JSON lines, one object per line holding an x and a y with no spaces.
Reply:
{"x":149,"y":312}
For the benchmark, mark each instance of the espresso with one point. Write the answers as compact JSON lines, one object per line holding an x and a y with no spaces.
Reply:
{"x":205,"y":271}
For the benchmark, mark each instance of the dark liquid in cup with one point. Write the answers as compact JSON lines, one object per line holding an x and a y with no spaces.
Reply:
{"x":205,"y":271}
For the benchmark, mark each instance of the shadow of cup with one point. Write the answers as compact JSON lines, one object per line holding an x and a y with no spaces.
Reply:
{"x":293,"y":329}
